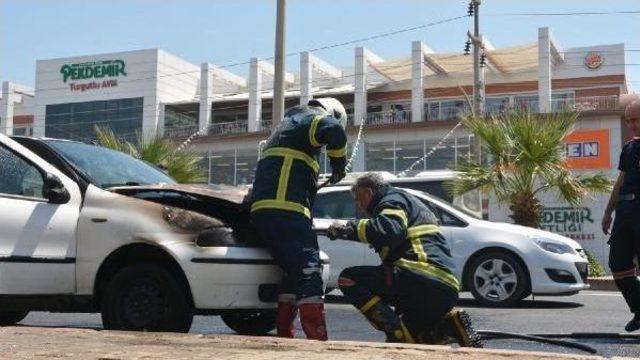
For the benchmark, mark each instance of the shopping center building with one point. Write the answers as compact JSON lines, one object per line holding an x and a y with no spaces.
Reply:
{"x":406,"y":104}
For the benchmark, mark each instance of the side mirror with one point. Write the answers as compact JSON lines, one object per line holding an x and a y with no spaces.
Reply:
{"x":54,"y":190}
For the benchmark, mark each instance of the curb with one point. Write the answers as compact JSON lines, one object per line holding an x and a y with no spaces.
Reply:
{"x":68,"y":343}
{"x":604,"y":283}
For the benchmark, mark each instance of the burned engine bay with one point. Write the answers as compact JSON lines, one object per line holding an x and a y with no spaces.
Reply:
{"x":218,"y":215}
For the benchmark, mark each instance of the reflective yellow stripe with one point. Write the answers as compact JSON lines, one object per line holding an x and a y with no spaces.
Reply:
{"x":312,"y":131}
{"x":362,"y":230}
{"x":374,"y":300}
{"x":396,"y":212}
{"x":418,"y":249}
{"x":338,"y":152}
{"x":429,"y":269}
{"x":407,"y":334}
{"x":417,"y":231}
{"x":283,"y":182}
{"x":280,"y":205}
{"x":299,"y":155}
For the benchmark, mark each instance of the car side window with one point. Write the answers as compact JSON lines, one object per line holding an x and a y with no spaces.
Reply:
{"x":334,"y":205}
{"x":18,"y":177}
{"x":450,"y":220}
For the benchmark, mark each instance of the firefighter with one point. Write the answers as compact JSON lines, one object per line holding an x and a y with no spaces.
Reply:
{"x":282,"y":196}
{"x":416,"y":276}
{"x":625,"y":235}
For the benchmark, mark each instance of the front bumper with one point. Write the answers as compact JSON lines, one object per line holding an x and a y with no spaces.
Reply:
{"x":553,"y":274}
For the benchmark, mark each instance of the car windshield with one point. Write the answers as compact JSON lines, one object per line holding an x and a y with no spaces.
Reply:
{"x":428,"y":196}
{"x":108,"y":168}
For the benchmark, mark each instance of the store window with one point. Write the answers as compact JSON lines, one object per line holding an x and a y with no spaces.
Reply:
{"x":380,"y":156}
{"x":246,"y":163}
{"x":222,"y":167}
{"x":77,"y":121}
{"x":407,"y":153}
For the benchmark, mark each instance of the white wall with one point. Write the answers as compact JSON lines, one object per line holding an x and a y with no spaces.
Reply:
{"x":153,"y":74}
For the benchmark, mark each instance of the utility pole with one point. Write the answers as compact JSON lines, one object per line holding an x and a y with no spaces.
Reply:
{"x":278,"y":79}
{"x":478,"y":74}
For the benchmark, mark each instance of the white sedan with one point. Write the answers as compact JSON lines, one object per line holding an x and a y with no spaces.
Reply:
{"x":499,"y":263}
{"x":88,"y":229}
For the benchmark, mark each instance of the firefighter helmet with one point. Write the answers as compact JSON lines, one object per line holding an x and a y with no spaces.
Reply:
{"x":333,"y":107}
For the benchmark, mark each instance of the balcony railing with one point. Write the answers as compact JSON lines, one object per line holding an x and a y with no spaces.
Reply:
{"x":227,"y":128}
{"x":433,"y":112}
{"x":388,"y":117}
{"x":178,"y":132}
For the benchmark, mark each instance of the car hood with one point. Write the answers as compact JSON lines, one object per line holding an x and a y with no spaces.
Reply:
{"x":520,"y":230}
{"x":222,"y":202}
{"x":230,"y":194}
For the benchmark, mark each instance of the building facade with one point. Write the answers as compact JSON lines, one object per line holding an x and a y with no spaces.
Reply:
{"x":404,"y":109}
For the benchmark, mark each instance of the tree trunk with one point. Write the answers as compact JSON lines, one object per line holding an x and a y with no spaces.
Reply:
{"x":526,"y":210}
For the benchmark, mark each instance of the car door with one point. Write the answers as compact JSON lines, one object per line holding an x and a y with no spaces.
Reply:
{"x":337,"y":206}
{"x":37,"y":230}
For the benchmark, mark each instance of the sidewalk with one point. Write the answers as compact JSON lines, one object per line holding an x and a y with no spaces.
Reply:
{"x":64,"y":343}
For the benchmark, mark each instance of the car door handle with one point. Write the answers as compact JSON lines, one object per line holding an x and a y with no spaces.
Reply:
{"x":99,"y":220}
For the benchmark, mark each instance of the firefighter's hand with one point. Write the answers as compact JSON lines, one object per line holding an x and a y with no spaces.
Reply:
{"x":606,"y":223}
{"x":340,"y":231}
{"x":336,"y":176}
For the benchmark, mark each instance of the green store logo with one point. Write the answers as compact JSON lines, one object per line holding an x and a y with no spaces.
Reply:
{"x":93,"y":70}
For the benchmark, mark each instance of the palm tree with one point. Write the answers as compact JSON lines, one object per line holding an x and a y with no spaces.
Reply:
{"x":525,"y":157}
{"x":181,"y":164}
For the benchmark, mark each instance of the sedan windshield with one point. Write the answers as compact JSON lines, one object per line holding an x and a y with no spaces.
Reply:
{"x":108,"y":168}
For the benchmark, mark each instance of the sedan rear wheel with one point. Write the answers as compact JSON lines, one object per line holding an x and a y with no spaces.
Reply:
{"x":497,"y":279}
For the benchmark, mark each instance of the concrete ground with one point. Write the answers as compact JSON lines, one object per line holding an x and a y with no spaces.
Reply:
{"x":590,"y":311}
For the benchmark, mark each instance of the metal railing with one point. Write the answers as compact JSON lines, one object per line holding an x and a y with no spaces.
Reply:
{"x":177,"y":132}
{"x":227,"y":128}
{"x":388,"y":117}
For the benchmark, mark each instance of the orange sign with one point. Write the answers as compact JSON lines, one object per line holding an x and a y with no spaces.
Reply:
{"x":588,"y":149}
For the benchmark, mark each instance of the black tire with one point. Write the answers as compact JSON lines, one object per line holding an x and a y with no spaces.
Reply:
{"x":251,"y":322}
{"x":506,"y":279}
{"x":8,"y":318}
{"x":146,"y":297}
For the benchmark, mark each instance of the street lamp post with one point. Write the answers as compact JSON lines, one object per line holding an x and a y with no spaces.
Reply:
{"x":278,"y":79}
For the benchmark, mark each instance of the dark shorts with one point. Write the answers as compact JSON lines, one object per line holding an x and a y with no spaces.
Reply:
{"x":419,"y":300}
{"x":625,"y":236}
{"x":294,"y":247}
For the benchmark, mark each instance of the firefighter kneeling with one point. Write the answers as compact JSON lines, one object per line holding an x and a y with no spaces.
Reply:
{"x":416,"y":276}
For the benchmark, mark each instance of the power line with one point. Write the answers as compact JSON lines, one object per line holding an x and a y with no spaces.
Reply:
{"x":570,"y":13}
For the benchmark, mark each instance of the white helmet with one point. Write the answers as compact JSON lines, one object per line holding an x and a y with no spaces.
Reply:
{"x":333,"y":107}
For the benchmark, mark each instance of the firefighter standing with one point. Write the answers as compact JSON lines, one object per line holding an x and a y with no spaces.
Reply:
{"x":625,"y":235}
{"x":416,"y":275}
{"x":282,"y":196}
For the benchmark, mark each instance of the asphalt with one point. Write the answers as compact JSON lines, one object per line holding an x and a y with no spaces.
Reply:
{"x":590,"y":311}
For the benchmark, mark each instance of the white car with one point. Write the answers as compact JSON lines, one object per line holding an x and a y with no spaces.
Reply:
{"x":87,"y":229}
{"x":499,"y":263}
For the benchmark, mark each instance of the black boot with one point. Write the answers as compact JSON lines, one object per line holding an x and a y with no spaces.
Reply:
{"x":634,"y":324}
{"x":383,"y":318}
{"x":457,"y":324}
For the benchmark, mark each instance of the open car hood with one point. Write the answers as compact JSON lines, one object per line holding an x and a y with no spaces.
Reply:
{"x":222,"y":202}
{"x":230,"y":194}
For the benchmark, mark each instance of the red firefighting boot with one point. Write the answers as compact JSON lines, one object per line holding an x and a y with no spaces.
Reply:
{"x":313,"y":321}
{"x":287,"y":312}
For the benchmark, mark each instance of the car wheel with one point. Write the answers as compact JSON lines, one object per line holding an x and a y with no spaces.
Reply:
{"x":146,"y":297}
{"x":497,"y":279}
{"x":8,"y":318}
{"x":251,"y":322}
